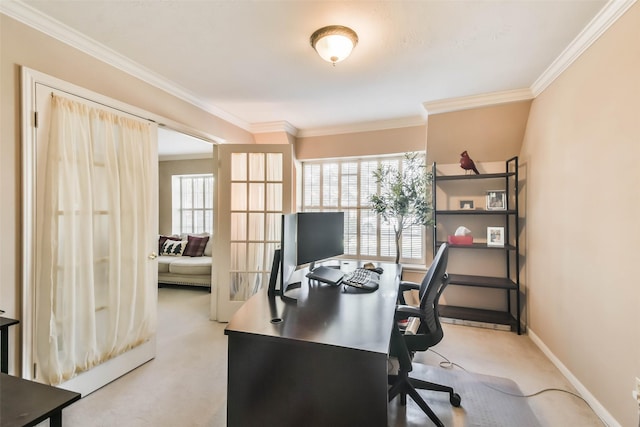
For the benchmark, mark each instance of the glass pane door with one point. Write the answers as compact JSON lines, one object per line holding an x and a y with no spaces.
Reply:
{"x":254,"y":190}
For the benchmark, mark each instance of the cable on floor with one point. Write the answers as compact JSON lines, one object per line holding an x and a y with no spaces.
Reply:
{"x":448,"y":364}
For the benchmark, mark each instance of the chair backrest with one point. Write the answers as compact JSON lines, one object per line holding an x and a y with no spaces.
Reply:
{"x":436,"y":272}
{"x":432,"y":286}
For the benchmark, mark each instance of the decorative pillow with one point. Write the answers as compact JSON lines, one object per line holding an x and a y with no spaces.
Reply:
{"x":195,"y":245}
{"x":163,"y":239}
{"x":173,"y":247}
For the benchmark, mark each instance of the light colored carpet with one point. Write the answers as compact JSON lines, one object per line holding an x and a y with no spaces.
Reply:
{"x":185,"y":385}
{"x":486,"y":401}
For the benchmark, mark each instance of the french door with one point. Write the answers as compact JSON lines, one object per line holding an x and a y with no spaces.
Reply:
{"x":50,"y":226}
{"x":254,"y":188}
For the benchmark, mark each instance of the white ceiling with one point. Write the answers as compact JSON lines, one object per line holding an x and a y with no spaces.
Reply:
{"x":250,"y":62}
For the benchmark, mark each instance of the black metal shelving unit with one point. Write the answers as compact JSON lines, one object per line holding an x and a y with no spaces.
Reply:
{"x":510,"y":282}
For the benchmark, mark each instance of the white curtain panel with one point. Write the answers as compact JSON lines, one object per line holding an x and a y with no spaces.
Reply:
{"x":94,"y":301}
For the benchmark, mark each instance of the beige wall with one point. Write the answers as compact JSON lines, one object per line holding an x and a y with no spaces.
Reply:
{"x":21,"y":45}
{"x":489,"y":134}
{"x":582,"y":180}
{"x":388,"y":141}
{"x":166,"y":170}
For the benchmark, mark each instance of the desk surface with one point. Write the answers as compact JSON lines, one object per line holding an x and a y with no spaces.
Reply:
{"x":26,"y":403}
{"x":333,"y":315}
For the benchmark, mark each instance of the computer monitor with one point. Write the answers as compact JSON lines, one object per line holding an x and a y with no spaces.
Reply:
{"x":320,"y":236}
{"x":307,"y":237}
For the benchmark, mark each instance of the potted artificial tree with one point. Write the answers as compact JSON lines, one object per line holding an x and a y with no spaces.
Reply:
{"x":405,"y":195}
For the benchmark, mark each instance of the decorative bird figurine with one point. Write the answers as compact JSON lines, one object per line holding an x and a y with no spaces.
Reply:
{"x":467,"y":164}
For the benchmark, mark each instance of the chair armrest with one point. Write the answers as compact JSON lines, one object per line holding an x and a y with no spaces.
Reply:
{"x":406,"y":311}
{"x":406,"y":286}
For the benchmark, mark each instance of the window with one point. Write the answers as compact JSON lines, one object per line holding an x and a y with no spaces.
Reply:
{"x":345,"y":185}
{"x":192,"y":203}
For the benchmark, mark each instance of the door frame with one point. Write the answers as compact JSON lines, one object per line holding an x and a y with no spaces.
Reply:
{"x":29,"y":79}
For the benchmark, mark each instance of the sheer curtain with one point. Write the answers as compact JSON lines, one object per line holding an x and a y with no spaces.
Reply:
{"x":93,"y":298}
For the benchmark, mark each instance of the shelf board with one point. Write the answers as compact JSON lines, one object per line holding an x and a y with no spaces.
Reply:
{"x":482,"y":281}
{"x":481,"y":176}
{"x":475,"y":212}
{"x":479,"y":246}
{"x":477,"y":315}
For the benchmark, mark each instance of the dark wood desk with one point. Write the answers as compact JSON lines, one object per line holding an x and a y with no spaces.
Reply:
{"x":25,"y":403}
{"x":323,"y":364}
{"x":4,"y":342}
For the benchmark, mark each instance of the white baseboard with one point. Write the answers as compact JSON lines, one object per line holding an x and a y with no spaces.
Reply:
{"x":101,"y":375}
{"x":582,"y":390}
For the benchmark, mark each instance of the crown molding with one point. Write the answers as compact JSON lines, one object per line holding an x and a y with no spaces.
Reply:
{"x":477,"y":101}
{"x":269,"y":127}
{"x":403,"y":122}
{"x":65,"y":34}
{"x":599,"y":24}
{"x":592,"y":32}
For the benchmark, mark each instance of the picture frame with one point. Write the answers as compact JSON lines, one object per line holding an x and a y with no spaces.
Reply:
{"x":466,"y":205}
{"x":496,"y":200}
{"x":495,"y":236}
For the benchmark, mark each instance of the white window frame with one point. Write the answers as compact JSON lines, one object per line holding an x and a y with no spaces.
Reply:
{"x":316,"y":203}
{"x":177,"y":209}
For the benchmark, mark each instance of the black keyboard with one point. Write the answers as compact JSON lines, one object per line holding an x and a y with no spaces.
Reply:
{"x":362,"y":278}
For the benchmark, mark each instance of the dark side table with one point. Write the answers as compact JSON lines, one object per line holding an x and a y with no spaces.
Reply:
{"x":25,"y":403}
{"x":5,"y":323}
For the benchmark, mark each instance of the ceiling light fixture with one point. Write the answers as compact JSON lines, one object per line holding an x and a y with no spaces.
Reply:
{"x":334,"y":43}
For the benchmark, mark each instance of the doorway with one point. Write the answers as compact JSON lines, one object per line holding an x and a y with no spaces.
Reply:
{"x":90,"y":211}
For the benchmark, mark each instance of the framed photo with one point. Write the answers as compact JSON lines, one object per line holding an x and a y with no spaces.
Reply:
{"x":495,"y":236}
{"x":496,"y":200}
{"x":466,"y":204}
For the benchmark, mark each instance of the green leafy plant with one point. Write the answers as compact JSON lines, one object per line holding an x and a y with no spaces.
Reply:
{"x":405,"y":195}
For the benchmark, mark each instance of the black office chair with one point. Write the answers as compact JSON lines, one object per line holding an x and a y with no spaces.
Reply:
{"x":428,"y":334}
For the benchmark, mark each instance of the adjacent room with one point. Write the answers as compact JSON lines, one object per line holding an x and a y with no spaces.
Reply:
{"x":167,"y":168}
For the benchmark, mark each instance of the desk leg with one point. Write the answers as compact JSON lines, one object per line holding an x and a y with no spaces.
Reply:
{"x":56,"y":419}
{"x":4,"y":357}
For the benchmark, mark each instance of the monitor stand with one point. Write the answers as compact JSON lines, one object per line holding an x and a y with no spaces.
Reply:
{"x":291,"y":292}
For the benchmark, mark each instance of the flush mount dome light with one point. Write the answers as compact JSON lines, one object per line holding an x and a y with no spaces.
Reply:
{"x":334,"y":43}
